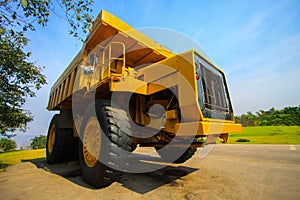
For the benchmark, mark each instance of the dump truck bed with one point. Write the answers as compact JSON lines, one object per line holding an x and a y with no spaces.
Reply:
{"x":139,"y":50}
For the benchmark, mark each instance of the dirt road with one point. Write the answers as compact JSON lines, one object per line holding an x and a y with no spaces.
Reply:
{"x":229,"y":172}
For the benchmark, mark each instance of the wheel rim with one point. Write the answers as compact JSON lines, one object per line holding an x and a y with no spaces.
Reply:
{"x":51,"y":139}
{"x":91,"y":141}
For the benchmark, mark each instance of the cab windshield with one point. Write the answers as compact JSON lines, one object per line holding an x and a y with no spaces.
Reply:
{"x":213,"y":96}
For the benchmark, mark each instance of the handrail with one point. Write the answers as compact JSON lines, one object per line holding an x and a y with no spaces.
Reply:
{"x":117,"y":58}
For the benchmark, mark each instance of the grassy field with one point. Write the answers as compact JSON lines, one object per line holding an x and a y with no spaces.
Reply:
{"x":267,"y":135}
{"x":15,"y":157}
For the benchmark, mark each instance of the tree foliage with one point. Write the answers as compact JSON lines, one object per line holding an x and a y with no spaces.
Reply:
{"x":7,"y":144}
{"x":38,"y":142}
{"x":19,"y":77}
{"x":23,"y":15}
{"x":289,"y":116}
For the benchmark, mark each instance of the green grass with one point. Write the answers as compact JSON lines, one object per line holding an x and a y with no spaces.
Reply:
{"x":14,"y":157}
{"x":267,"y":135}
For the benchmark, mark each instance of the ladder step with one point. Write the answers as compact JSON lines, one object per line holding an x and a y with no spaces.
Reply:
{"x":112,"y":58}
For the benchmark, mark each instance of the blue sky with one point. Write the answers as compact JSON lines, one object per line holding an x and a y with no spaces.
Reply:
{"x":256,"y":43}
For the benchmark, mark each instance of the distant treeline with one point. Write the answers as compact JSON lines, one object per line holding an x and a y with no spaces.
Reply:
{"x":289,"y":116}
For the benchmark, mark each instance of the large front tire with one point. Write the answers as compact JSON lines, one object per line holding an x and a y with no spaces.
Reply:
{"x":105,"y":136}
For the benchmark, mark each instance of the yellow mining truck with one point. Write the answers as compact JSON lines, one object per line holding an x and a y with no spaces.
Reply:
{"x":124,"y":90}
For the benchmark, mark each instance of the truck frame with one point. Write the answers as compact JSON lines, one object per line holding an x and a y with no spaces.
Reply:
{"x":124,"y":90}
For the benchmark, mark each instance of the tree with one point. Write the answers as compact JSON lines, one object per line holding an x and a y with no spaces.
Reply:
{"x":289,"y":116}
{"x":38,"y":142}
{"x":7,"y":144}
{"x":19,"y":77}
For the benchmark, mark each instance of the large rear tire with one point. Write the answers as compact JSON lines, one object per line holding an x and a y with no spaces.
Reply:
{"x":105,"y":135}
{"x":61,"y":145}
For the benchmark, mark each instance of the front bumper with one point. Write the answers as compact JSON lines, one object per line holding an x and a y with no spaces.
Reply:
{"x":206,"y":128}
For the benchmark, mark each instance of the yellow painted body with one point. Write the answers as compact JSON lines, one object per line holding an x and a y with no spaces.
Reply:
{"x":111,"y":60}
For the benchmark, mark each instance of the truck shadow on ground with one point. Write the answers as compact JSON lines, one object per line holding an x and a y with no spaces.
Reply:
{"x":141,"y":183}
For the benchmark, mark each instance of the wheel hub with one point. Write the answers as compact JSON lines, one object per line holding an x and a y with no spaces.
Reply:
{"x":51,"y":139}
{"x":91,"y":141}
